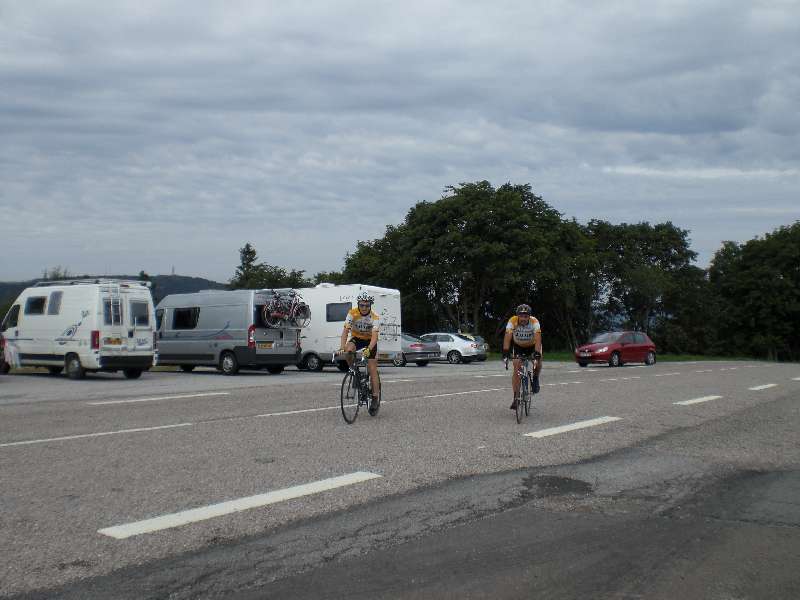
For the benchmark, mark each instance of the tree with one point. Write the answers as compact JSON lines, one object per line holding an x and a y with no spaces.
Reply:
{"x":251,"y":274}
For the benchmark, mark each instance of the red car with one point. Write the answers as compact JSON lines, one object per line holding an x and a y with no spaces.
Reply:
{"x":617,"y":348}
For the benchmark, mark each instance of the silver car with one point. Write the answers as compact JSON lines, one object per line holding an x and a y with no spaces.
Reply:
{"x":416,"y":350}
{"x":457,"y":348}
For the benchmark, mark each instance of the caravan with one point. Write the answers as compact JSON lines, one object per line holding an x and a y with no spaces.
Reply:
{"x":226,"y":330}
{"x":329,"y":306}
{"x":82,"y":325}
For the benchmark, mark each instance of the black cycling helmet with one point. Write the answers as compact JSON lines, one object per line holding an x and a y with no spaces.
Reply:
{"x":524,"y":309}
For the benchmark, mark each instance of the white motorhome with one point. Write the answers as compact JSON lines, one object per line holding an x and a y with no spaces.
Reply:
{"x":224,"y":329}
{"x":82,"y":325}
{"x":329,"y":306}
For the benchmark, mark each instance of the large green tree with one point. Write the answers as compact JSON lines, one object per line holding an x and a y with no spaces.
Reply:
{"x":251,"y":274}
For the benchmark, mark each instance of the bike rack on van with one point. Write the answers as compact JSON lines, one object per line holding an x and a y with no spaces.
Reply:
{"x":120,"y":282}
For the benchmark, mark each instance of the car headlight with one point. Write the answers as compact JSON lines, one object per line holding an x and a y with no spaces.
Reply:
{"x":603,"y":349}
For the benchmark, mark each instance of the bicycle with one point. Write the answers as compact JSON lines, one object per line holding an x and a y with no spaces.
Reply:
{"x":525,"y":372}
{"x":290,"y":307}
{"x":357,"y":389}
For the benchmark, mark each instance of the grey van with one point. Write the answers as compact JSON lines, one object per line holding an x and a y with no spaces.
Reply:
{"x":223,"y":329}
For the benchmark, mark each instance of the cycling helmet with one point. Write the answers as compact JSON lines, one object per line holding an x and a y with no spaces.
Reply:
{"x":364,"y":297}
{"x":523,"y":309}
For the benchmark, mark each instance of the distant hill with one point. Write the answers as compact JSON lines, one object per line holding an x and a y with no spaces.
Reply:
{"x":163,"y":285}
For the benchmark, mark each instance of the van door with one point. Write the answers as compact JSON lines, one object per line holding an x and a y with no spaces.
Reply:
{"x":33,"y":341}
{"x":113,"y":335}
{"x":141,"y":325}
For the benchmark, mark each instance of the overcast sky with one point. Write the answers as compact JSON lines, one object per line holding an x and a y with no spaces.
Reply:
{"x":147,"y":135}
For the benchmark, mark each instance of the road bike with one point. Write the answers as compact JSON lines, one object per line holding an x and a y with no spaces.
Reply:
{"x":286,"y":307}
{"x":357,"y":388}
{"x":526,"y":374}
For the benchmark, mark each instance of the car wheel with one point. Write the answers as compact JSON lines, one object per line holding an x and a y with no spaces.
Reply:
{"x":132,"y":373}
{"x":454,"y":357}
{"x":651,"y":358}
{"x":187,"y":368}
{"x":4,"y":367}
{"x":399,"y":360}
{"x":228,"y":363}
{"x":55,"y":370}
{"x":342,"y":366}
{"x":74,"y":367}
{"x":583,"y":364}
{"x":313,"y":362}
{"x":422,"y":363}
{"x":481,"y":358}
{"x":275,"y":369}
{"x":615,"y":360}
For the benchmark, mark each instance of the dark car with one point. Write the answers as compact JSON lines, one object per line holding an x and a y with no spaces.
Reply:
{"x":416,"y":350}
{"x":617,"y":348}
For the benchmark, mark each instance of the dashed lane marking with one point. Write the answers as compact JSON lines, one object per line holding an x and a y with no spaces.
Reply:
{"x":157,"y":398}
{"x":666,"y":374}
{"x":91,"y":435}
{"x":766,"y":386}
{"x":697,"y":400}
{"x":204,"y":513}
{"x":462,"y":393}
{"x":571,"y":427}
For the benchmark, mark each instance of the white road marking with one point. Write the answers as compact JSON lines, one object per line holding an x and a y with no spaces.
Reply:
{"x":485,"y":376}
{"x":666,"y":374}
{"x":399,"y":381}
{"x":204,"y":513}
{"x":758,"y":388}
{"x":705,"y":371}
{"x":571,"y":427}
{"x":298,"y":412}
{"x":795,"y":378}
{"x":461,"y":393}
{"x":155,"y":398}
{"x":91,"y":435}
{"x":697,"y":400}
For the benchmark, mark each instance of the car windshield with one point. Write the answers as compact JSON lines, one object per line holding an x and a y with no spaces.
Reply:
{"x":411,"y":338}
{"x":466,"y":338}
{"x":602,"y":338}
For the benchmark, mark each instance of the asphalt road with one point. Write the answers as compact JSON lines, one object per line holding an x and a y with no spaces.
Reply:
{"x":620,"y":492}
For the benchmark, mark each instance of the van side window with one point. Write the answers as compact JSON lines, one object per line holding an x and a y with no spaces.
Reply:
{"x":12,"y":318}
{"x":109,"y":317}
{"x":54,"y":306}
{"x":35,"y":305}
{"x":159,"y":317}
{"x":140,"y":315}
{"x":185,"y":318}
{"x":336,"y":312}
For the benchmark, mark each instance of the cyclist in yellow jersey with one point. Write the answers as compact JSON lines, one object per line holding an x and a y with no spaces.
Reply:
{"x":361,"y":325}
{"x":523,"y":338}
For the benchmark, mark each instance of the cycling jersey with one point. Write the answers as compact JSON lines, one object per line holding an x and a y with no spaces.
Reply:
{"x":523,"y":335}
{"x":360,"y":326}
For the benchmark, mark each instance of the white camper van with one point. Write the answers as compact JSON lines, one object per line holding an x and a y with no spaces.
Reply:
{"x":224,"y":329}
{"x":329,"y":306}
{"x":82,"y":325}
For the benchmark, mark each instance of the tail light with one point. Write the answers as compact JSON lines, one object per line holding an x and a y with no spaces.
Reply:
{"x":95,"y":340}
{"x":474,"y":345}
{"x":251,"y":336}
{"x":415,"y":346}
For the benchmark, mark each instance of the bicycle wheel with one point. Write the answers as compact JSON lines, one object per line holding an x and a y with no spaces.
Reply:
{"x":380,"y":393}
{"x":526,"y":395}
{"x":523,"y":386}
{"x":350,"y":400}
{"x":301,"y":314}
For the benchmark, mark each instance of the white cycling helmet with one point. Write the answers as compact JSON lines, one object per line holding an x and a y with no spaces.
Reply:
{"x":364,"y":297}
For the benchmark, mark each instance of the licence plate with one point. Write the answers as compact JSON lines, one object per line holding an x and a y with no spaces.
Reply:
{"x":586,"y":353}
{"x":265,"y":345}
{"x":112,"y":341}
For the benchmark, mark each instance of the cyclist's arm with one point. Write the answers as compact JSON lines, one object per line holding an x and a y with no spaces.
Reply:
{"x":507,"y":341}
{"x":373,"y":342}
{"x":537,"y":339}
{"x":343,"y":341}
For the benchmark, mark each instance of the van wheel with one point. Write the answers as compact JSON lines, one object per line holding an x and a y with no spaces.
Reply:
{"x":399,"y":360}
{"x":74,"y":367}
{"x":187,"y":368}
{"x":132,"y":373}
{"x":55,"y":370}
{"x":313,"y":362}
{"x":454,"y":357}
{"x":275,"y":369}
{"x":228,"y":363}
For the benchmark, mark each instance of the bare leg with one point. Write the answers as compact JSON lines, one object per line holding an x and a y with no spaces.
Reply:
{"x":372,"y":365}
